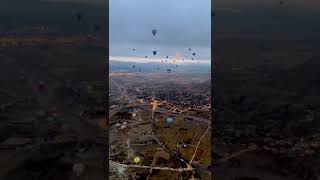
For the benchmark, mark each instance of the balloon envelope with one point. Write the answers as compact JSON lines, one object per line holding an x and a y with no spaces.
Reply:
{"x":79,"y":16}
{"x":154,"y":32}
{"x":136,"y":160}
{"x":78,"y":168}
{"x":154,"y":52}
{"x":169,"y":121}
{"x":97,"y":27}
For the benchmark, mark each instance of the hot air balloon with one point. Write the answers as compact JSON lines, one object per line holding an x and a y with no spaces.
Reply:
{"x":133,"y":49}
{"x":41,"y":86}
{"x":134,"y":66}
{"x":154,"y":52}
{"x":167,"y":57}
{"x":97,"y":27}
{"x":154,"y":32}
{"x":136,"y":160}
{"x":120,"y":170}
{"x":189,"y":49}
{"x":174,"y":61}
{"x":78,"y":168}
{"x":169,"y":121}
{"x":213,"y":14}
{"x":146,"y":56}
{"x":193,"y":54}
{"x":79,"y":16}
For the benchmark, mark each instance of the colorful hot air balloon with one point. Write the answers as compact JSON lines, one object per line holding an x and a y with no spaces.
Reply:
{"x":174,"y":61}
{"x":169,"y":121}
{"x":136,"y":160}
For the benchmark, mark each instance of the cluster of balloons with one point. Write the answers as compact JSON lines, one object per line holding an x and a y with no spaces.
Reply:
{"x":80,"y":17}
{"x":154,"y":33}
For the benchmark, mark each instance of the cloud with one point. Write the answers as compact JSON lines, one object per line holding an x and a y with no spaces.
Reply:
{"x":157,"y":60}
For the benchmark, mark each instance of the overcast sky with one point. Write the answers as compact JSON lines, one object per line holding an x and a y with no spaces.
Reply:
{"x":180,"y":25}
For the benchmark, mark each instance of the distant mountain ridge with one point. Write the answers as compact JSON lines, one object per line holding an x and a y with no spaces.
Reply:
{"x":152,"y":67}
